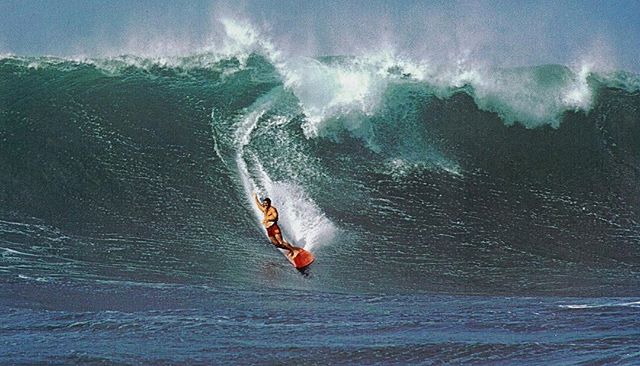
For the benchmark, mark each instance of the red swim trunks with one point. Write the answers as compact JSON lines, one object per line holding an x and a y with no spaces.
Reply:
{"x":273,"y":230}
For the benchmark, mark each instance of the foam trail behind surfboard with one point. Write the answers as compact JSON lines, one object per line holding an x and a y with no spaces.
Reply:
{"x":302,"y":221}
{"x":242,"y":138}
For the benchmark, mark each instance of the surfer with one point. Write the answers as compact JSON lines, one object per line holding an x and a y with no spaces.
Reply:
{"x":270,"y":222}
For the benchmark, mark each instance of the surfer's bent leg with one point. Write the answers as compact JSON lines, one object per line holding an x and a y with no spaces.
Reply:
{"x":286,"y":244}
{"x":275,"y":235}
{"x":275,"y":242}
{"x":282,"y":244}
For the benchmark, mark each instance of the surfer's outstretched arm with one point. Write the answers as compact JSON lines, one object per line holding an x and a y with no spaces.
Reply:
{"x":258,"y":203}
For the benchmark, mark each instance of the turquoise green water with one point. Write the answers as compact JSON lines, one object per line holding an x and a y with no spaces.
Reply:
{"x":489,"y":220}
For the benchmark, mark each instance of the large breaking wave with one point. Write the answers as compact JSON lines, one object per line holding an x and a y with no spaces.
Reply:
{"x":400,"y":175}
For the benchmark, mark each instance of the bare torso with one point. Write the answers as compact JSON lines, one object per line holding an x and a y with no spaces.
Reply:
{"x":270,"y":217}
{"x":270,"y":221}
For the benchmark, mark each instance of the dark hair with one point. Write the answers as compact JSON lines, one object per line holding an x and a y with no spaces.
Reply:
{"x":267,"y":200}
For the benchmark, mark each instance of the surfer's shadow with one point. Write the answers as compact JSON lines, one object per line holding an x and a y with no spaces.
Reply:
{"x":274,"y":270}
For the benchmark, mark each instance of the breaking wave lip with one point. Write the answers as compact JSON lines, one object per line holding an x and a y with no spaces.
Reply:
{"x":240,"y":42}
{"x":328,"y":87}
{"x":354,"y":85}
{"x":532,"y":96}
{"x":342,"y":94}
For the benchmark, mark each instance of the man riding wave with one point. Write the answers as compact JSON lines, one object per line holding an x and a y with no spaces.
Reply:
{"x":270,"y":223}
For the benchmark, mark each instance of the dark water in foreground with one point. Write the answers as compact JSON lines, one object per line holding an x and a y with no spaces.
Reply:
{"x":485,"y":222}
{"x":123,"y":323}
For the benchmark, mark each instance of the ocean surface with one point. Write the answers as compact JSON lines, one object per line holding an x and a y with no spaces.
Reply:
{"x":458,"y":216}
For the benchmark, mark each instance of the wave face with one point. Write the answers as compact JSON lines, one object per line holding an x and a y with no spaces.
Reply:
{"x":401,"y":178}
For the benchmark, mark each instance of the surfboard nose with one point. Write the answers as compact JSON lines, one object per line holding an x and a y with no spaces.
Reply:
{"x":302,"y":259}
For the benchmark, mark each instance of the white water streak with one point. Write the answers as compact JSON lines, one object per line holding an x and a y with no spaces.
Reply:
{"x":607,"y":305}
{"x":300,"y":217}
{"x":242,"y":138}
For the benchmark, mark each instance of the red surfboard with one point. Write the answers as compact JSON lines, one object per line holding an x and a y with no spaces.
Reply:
{"x":302,"y":259}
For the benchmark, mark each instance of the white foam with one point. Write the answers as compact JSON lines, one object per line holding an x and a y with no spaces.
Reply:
{"x":242,"y":39}
{"x":355,"y":86}
{"x":242,"y":137}
{"x":523,"y":95}
{"x":302,"y":221}
{"x":578,"y":94}
{"x":13,"y":251}
{"x":37,"y":279}
{"x":5,"y":55}
{"x":400,"y":168}
{"x":349,"y":86}
{"x":606,"y":305}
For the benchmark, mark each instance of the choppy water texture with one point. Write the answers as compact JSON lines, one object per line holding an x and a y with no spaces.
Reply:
{"x":482,"y":216}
